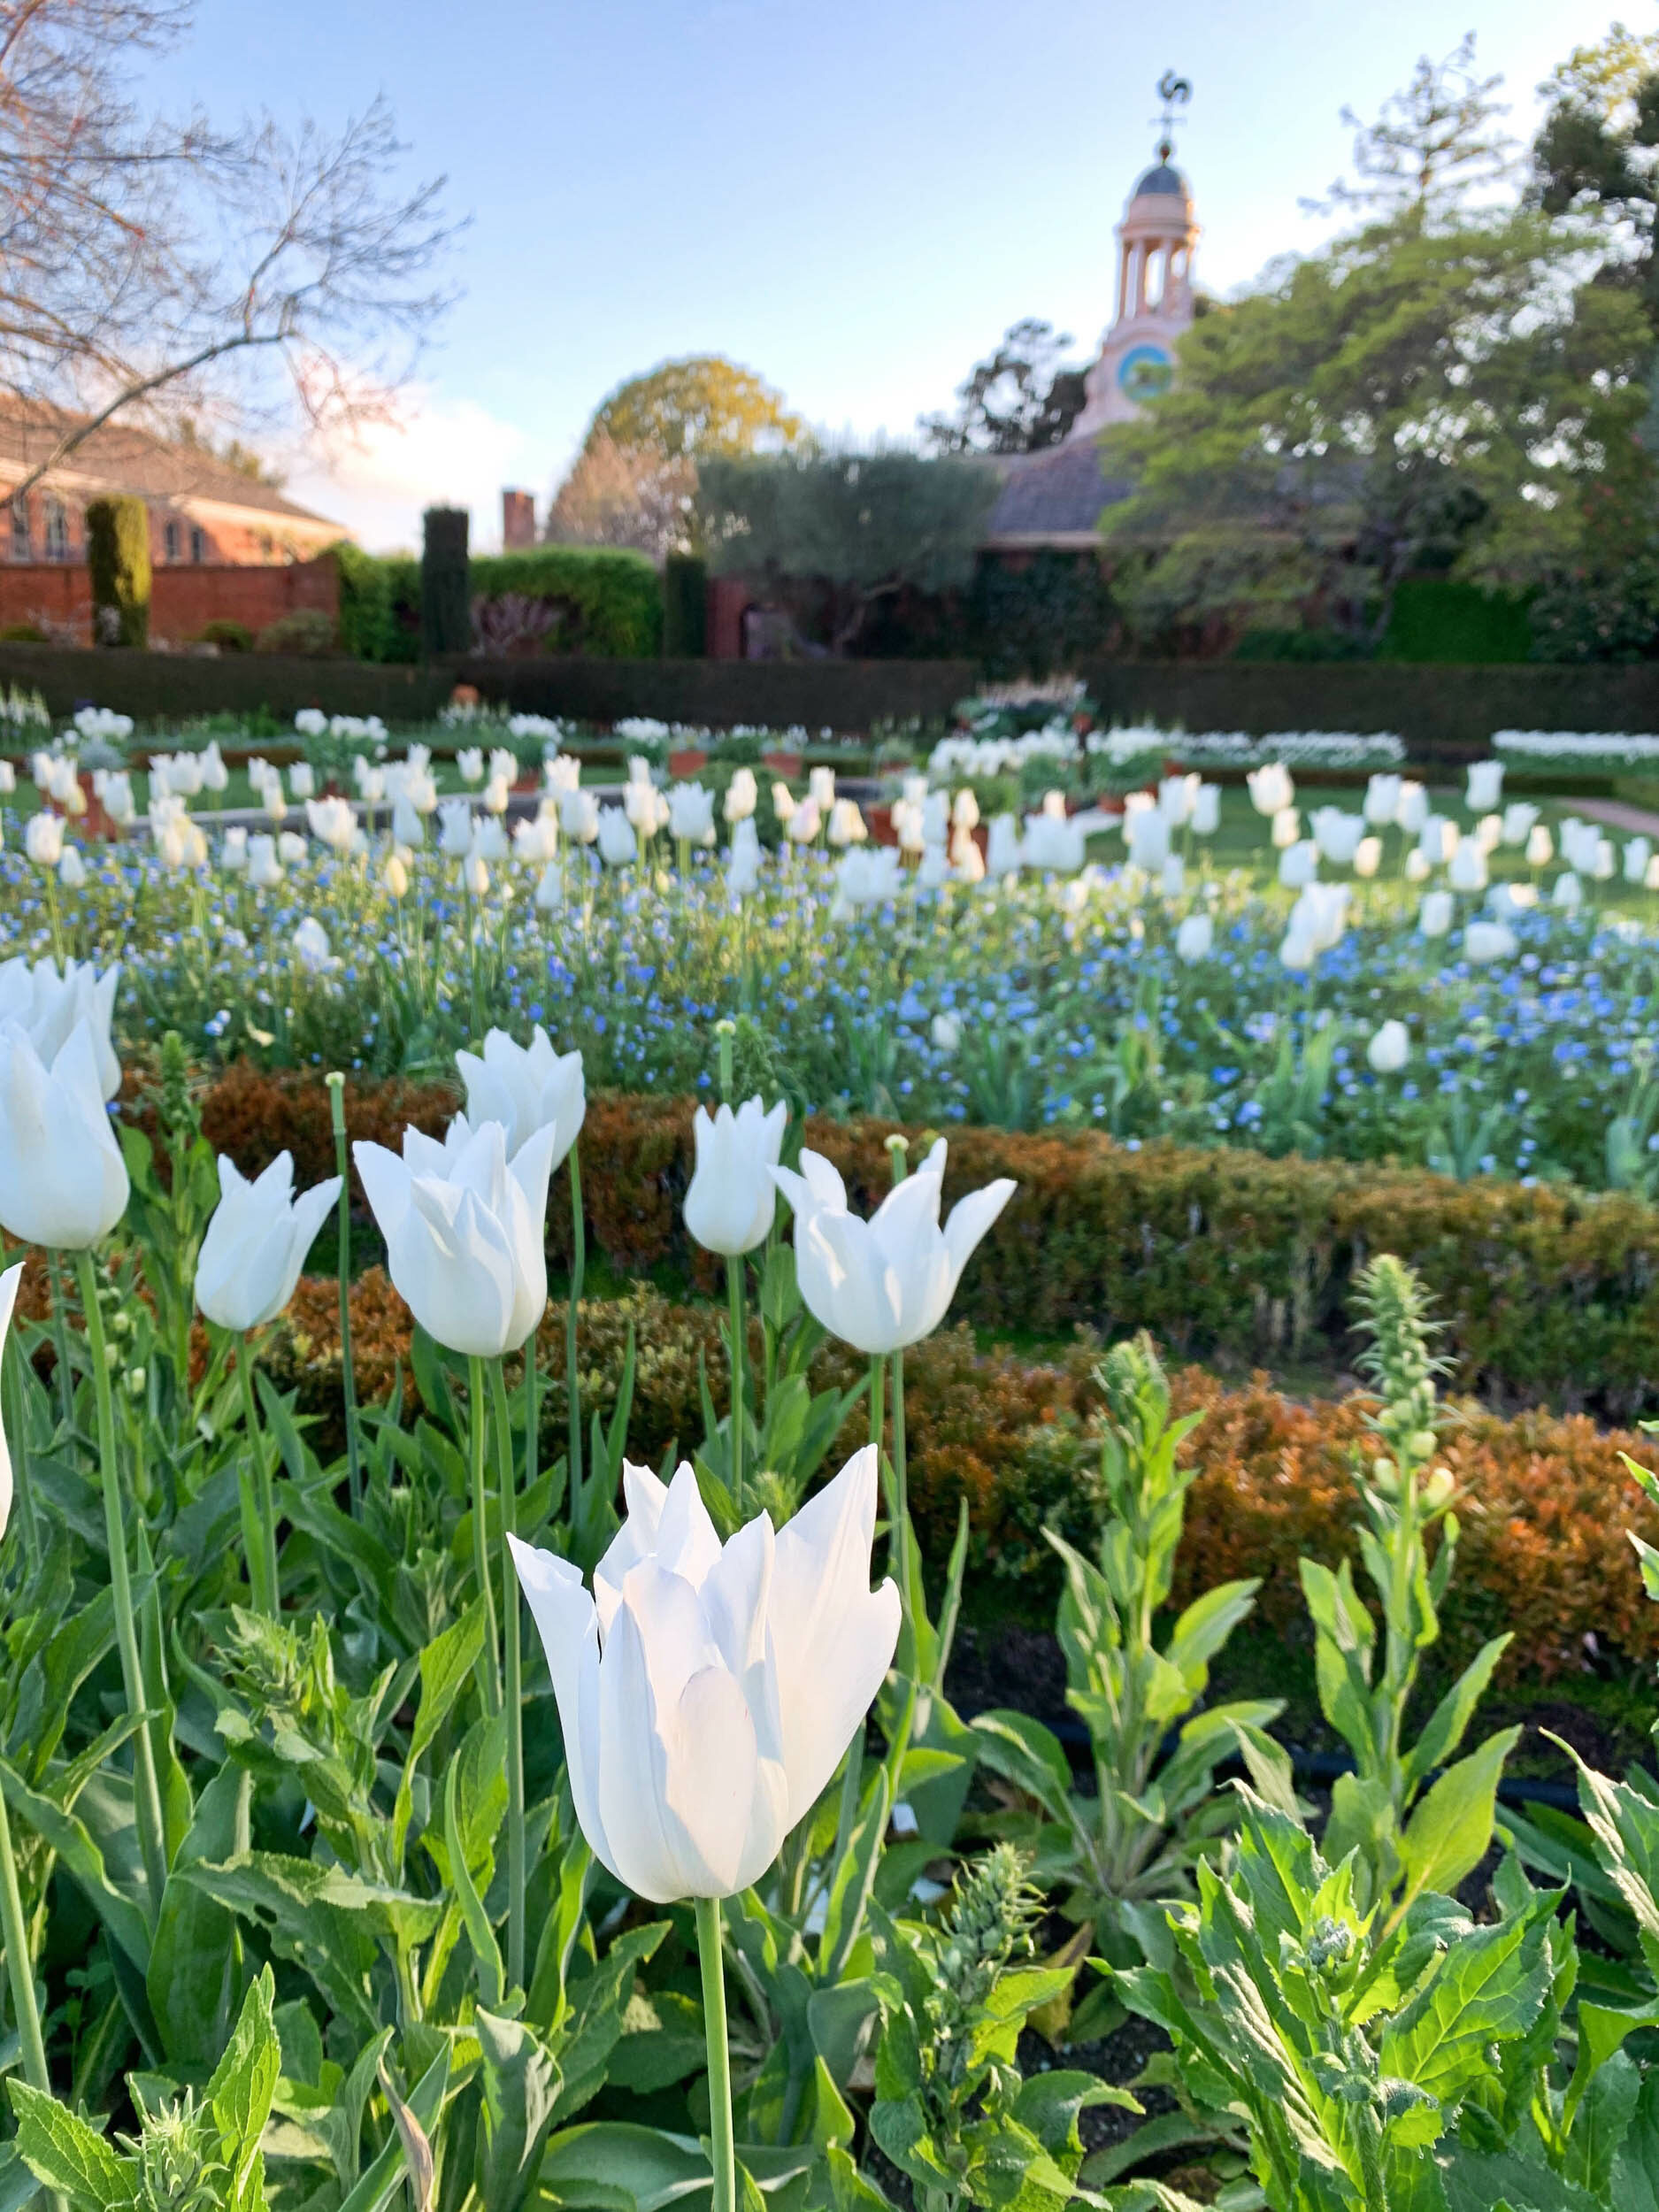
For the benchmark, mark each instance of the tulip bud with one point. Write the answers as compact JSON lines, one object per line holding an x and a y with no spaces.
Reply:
{"x":257,"y":1241}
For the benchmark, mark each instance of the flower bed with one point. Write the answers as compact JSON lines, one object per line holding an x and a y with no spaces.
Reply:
{"x":1544,"y":1292}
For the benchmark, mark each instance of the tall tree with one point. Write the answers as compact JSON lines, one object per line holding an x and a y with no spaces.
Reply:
{"x":1408,"y":397}
{"x":1596,"y":154}
{"x":1432,"y":145}
{"x":1022,"y":398}
{"x":866,"y":525}
{"x":145,"y":261}
{"x":624,"y":496}
{"x":691,"y":409}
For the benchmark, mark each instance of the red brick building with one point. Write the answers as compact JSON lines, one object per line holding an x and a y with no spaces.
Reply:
{"x":222,"y":544}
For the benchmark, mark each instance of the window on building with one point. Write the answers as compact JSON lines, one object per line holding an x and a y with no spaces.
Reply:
{"x":56,"y":530}
{"x":170,"y":541}
{"x":198,"y":544}
{"x":22,"y":540}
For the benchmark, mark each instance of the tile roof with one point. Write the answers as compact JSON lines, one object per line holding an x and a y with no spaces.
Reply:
{"x":135,"y":460}
{"x":1060,"y":493}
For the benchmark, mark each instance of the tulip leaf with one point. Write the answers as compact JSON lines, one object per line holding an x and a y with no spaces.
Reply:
{"x":71,"y":1839}
{"x":194,"y":1961}
{"x":446,"y":1664}
{"x":521,"y":2085}
{"x":854,"y":1878}
{"x":384,"y":2176}
{"x":492,"y":1978}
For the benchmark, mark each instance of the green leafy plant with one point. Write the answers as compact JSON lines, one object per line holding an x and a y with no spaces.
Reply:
{"x":1134,"y":1840}
{"x":1381,"y":2061}
{"x":1413,"y":1832}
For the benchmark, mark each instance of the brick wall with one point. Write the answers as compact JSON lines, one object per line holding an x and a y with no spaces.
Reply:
{"x":57,"y":596}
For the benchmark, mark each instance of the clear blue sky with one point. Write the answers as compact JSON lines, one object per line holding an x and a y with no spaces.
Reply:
{"x":854,"y":199}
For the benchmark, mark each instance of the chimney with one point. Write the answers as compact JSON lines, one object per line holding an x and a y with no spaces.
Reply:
{"x":518,"y":521}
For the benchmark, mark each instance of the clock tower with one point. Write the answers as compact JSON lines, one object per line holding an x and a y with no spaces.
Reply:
{"x":1154,"y":298}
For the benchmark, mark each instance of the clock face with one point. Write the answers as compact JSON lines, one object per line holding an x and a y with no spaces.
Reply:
{"x":1145,"y":372}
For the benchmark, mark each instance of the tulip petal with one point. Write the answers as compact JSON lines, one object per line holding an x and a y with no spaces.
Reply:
{"x":686,"y":1544}
{"x":833,"y":1637}
{"x":569,"y":1628}
{"x":644,"y":1496}
{"x":969,"y":1218}
{"x":656,"y":1857}
{"x":8,"y":1283}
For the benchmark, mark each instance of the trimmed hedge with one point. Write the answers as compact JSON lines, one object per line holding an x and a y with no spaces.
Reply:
{"x":118,"y":563}
{"x":1547,"y":1502}
{"x":610,"y":600}
{"x":1544,"y":1294}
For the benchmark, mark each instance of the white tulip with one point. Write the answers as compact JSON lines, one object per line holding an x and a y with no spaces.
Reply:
{"x":884,"y":1283}
{"x":821,"y":789}
{"x":550,"y":890}
{"x":1413,"y":809}
{"x":232,"y":851}
{"x":1337,"y":834}
{"x":742,"y":796}
{"x":1299,"y":866}
{"x":1517,"y":820}
{"x":310,"y":947}
{"x":965,"y":810}
{"x":1568,"y":893}
{"x":1382,"y":801}
{"x":1367,"y":857}
{"x":1206,"y":810}
{"x":706,"y":1694}
{"x":847,"y":824}
{"x":1638,"y":853}
{"x":1286,"y":828}
{"x":63,"y":1182}
{"x":489,"y":839}
{"x":1390,"y":1047}
{"x":1434,"y":915}
{"x":1606,"y":865}
{"x":1540,"y":848}
{"x":563,"y":773}
{"x":257,"y":1241}
{"x":1195,"y":937}
{"x":616,"y":845}
{"x":1176,"y":796}
{"x":394,"y":876}
{"x":1172,"y":879}
{"x":1486,"y":941}
{"x":1468,"y":869}
{"x":43,"y":839}
{"x":497,"y":793}
{"x":1003,"y":855}
{"x":578,"y":816}
{"x":302,"y":783}
{"x":526,"y":1088}
{"x":1485,"y":785}
{"x":333,"y":822}
{"x":476,"y":875}
{"x":469,"y":763}
{"x":945,"y":1031}
{"x":1417,"y":870}
{"x":72,"y":870}
{"x":455,"y":828}
{"x":732,"y":1199}
{"x":271,"y":800}
{"x":407,"y":826}
{"x":290,"y":847}
{"x":1438,"y":839}
{"x":1270,"y":789}
{"x":464,"y":1231}
{"x":264,"y":870}
{"x":1147,"y":835}
{"x":214,"y":773}
{"x":49,"y":1005}
{"x":691,"y":814}
{"x":804,"y":823}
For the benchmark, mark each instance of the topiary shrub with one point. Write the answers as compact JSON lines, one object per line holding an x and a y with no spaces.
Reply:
{"x":685,"y":607}
{"x":307,"y":631}
{"x":230,"y":637}
{"x":117,"y":562}
{"x":446,"y":584}
{"x":365,"y":603}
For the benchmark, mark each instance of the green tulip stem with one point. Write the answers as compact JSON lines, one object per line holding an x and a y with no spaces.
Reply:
{"x":146,"y":1794}
{"x":64,"y":1374}
{"x":19,"y":1965}
{"x":722,"y":2147}
{"x":489,"y":1658}
{"x":14,"y":1398}
{"x":735,"y":1293}
{"x":572,"y":1378}
{"x":336,"y":1083}
{"x":510,"y":1615}
{"x":901,"y":1493}
{"x":268,"y":1599}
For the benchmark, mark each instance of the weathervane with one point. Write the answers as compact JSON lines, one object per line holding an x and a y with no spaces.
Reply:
{"x":1174,"y":92}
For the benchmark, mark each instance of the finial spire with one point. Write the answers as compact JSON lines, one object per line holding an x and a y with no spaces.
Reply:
{"x":1174,"y":92}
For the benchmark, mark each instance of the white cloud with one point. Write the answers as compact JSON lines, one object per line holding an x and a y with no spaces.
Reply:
{"x":440,"y":452}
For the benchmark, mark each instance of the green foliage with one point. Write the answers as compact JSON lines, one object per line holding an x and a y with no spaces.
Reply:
{"x":1380,"y":2063}
{"x":1435,"y":619}
{"x":697,"y":408}
{"x":864,"y":524}
{"x":307,"y":631}
{"x":609,"y":601}
{"x":118,"y":564}
{"x":230,"y":637}
{"x":1416,"y":394}
{"x":951,"y":2109}
{"x":367,"y":626}
{"x":446,"y":591}
{"x":1040,"y":612}
{"x":1022,"y":399}
{"x":684,"y":606}
{"x":1133,"y":1842}
{"x":1407,"y":1827}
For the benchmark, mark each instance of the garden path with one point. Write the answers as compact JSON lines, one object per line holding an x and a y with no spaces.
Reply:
{"x":1641,"y":821}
